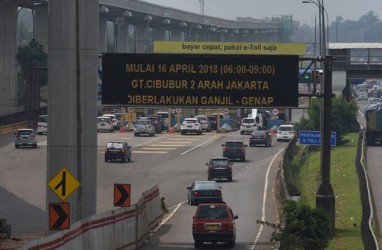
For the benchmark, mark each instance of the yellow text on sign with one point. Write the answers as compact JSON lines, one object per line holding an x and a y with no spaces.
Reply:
{"x":238,"y":48}
{"x":63,"y":184}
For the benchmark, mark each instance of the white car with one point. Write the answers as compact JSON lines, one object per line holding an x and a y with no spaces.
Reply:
{"x":191,"y":125}
{"x":114,"y":120}
{"x":42,"y":124}
{"x":285,"y":132}
{"x":144,"y":126}
{"x":104,"y":123}
{"x":206,"y":125}
{"x":247,"y":126}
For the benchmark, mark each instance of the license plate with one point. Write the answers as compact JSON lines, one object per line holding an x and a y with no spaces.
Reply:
{"x":189,"y":126}
{"x":212,"y":226}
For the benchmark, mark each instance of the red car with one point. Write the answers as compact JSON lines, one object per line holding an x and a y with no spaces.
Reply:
{"x":214,"y":223}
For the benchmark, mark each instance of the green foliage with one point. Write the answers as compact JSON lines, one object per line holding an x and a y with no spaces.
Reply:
{"x":305,"y":228}
{"x":28,"y":57}
{"x":343,"y":117}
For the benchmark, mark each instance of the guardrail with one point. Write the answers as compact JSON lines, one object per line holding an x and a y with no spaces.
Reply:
{"x":11,"y":128}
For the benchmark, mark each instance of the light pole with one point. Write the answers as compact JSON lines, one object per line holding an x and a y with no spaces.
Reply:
{"x":325,"y":196}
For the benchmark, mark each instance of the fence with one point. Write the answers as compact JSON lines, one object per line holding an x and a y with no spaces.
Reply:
{"x":123,"y":228}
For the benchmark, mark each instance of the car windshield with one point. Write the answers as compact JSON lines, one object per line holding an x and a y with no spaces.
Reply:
{"x":212,"y":212}
{"x":259,"y":133}
{"x":285,"y":128}
{"x":234,"y":144}
{"x":201,"y":118}
{"x":115,"y":145}
{"x":248,"y":120}
{"x":190,"y":121}
{"x":43,"y":118}
{"x":103,"y":120}
{"x":142,"y":122}
{"x":221,"y":162}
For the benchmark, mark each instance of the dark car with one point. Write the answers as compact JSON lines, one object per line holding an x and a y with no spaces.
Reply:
{"x":219,"y":167}
{"x":214,"y":223}
{"x":118,"y":151}
{"x":213,"y":122}
{"x":260,"y":137}
{"x":234,"y":149}
{"x":204,"y":191}
{"x":156,"y":122}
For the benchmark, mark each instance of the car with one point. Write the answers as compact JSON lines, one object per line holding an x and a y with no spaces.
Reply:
{"x":42,"y":124}
{"x":155,"y":121}
{"x":214,"y":223}
{"x":117,"y":150}
{"x":206,"y":125}
{"x":234,"y":149}
{"x":213,"y":121}
{"x":191,"y":125}
{"x":204,"y":191}
{"x":247,"y":126}
{"x":260,"y":137}
{"x":25,"y":137}
{"x":374,"y":100}
{"x":362,"y":96}
{"x":104,"y":123}
{"x":219,"y":167}
{"x":144,"y":126}
{"x":114,"y":120}
{"x":285,"y":133}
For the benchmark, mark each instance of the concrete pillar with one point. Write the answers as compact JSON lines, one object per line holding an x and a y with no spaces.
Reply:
{"x":141,"y":37}
{"x":122,"y":35}
{"x":8,"y":42}
{"x":161,"y":34}
{"x":41,"y":25}
{"x":102,"y":41}
{"x":65,"y":149}
{"x":177,"y":35}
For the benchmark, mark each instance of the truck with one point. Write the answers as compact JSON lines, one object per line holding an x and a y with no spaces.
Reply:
{"x":373,"y":116}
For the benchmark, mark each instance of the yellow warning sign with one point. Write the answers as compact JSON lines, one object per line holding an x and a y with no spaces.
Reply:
{"x":237,"y":48}
{"x":63,"y":184}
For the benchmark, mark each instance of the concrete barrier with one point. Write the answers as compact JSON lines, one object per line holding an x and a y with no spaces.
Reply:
{"x":9,"y":129}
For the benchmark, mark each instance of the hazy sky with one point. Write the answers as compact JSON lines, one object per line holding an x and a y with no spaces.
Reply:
{"x":303,"y":12}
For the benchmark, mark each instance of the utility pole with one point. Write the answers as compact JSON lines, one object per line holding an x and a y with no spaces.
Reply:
{"x":201,"y":3}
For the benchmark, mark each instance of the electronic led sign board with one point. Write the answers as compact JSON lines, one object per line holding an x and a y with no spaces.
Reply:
{"x":189,"y":80}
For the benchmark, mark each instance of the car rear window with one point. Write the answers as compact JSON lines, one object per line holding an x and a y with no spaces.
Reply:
{"x":222,"y":162}
{"x":25,"y":132}
{"x":114,"y":145}
{"x":190,"y":121}
{"x":248,"y":120}
{"x":212,"y":211}
{"x":259,"y":133}
{"x":104,"y":120}
{"x":205,"y":185}
{"x":234,"y":144}
{"x":142,"y":122}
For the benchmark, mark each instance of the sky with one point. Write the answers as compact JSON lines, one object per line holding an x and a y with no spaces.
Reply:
{"x":259,"y":9}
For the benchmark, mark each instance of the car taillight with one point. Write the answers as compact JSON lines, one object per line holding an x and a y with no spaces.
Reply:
{"x":242,"y":148}
{"x":18,"y":136}
{"x":225,"y":148}
{"x":231,"y":226}
{"x":196,"y":193}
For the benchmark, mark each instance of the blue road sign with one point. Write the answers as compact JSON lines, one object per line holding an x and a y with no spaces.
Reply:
{"x":314,"y":137}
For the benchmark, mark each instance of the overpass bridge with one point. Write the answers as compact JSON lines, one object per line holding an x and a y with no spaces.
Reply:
{"x":354,"y":61}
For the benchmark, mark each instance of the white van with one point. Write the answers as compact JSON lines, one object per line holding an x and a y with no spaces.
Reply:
{"x":42,"y":124}
{"x":104,"y":123}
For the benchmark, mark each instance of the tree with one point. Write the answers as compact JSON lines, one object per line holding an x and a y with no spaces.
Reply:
{"x":343,"y":118}
{"x":28,"y":57}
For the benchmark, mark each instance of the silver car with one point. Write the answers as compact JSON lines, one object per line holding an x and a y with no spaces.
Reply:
{"x":25,"y":137}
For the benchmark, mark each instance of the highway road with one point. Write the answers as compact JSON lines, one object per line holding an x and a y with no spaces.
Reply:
{"x":172,"y":161}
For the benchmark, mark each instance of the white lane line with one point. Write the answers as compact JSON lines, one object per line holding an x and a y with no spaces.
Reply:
{"x":264,"y":199}
{"x":150,"y":141}
{"x":150,"y":152}
{"x":185,"y":152}
{"x":172,"y":145}
{"x":183,"y":139}
{"x":169,"y":216}
{"x":158,"y":148}
{"x":174,"y":142}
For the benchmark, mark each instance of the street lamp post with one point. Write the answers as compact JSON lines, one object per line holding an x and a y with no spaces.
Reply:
{"x":325,"y":196}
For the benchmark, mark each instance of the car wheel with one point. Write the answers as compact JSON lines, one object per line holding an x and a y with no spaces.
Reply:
{"x":34,"y":145}
{"x":241,"y":132}
{"x":16,"y":146}
{"x":209,"y":178}
{"x":106,"y":160}
{"x":230,"y":178}
{"x":243,"y":159}
{"x":192,"y":202}
{"x":124,"y":159}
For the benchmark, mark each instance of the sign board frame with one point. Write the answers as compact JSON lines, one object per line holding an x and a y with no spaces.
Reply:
{"x":192,"y":80}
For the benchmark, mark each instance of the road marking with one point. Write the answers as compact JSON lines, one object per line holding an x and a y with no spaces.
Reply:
{"x":183,"y":139}
{"x":185,"y":152}
{"x":168,"y":217}
{"x":172,"y":145}
{"x":150,"y":152}
{"x":174,"y":142}
{"x":158,"y":148}
{"x":265,"y":199}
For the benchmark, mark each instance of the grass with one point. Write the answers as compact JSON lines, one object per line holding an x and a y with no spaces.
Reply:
{"x":344,"y":180}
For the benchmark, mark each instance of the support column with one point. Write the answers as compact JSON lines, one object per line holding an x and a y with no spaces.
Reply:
{"x":8,"y":42}
{"x":142,"y":37}
{"x":160,"y":34}
{"x":177,"y":35}
{"x":41,"y":25}
{"x":72,"y":102}
{"x":102,"y":41}
{"x":122,"y":35}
